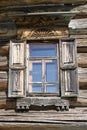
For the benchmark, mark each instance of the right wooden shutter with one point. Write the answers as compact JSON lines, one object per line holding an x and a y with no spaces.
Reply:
{"x":68,"y":68}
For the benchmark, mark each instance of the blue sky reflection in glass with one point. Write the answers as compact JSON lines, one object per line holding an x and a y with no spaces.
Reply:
{"x":43,"y":50}
{"x":50,"y":72}
{"x":37,"y":72}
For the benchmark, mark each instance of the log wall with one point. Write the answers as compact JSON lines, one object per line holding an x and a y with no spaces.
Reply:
{"x":25,"y":30}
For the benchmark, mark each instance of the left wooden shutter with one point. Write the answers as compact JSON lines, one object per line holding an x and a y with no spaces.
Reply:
{"x":16,"y":86}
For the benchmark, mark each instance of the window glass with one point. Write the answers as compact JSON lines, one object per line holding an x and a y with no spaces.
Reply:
{"x":43,"y":50}
{"x":36,"y":72}
{"x":36,"y":87}
{"x":51,"y":71}
{"x":53,"y":88}
{"x":43,"y":68}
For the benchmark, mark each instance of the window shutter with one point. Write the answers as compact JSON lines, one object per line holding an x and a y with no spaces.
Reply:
{"x":68,"y":68}
{"x":16,"y":86}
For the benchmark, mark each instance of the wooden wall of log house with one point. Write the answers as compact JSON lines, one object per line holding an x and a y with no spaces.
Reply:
{"x":81,"y":40}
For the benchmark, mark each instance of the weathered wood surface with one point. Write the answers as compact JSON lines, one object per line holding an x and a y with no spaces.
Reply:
{"x":4,"y":3}
{"x":61,"y":125}
{"x":52,"y":116}
{"x":82,"y":59}
{"x":78,"y":23}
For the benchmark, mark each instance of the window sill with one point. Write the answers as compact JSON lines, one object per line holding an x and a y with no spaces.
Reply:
{"x":25,"y":103}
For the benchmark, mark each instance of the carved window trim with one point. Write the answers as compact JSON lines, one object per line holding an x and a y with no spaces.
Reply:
{"x":67,"y":70}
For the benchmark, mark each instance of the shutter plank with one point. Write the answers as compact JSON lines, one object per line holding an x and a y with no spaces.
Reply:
{"x":68,"y":68}
{"x":17,"y":51}
{"x":17,"y":70}
{"x":67,"y":54}
{"x":69,"y":83}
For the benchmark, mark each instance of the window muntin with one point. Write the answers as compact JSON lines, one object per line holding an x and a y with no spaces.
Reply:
{"x":43,"y":68}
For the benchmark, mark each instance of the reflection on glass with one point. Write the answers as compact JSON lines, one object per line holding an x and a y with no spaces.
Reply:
{"x":53,"y":88}
{"x":36,"y":72}
{"x":43,"y":50}
{"x":36,"y":87}
{"x":51,"y":71}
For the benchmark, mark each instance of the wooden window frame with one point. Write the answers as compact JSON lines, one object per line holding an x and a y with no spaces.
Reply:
{"x":28,"y":59}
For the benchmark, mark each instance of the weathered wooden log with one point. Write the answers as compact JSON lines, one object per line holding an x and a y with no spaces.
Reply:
{"x":78,"y":36}
{"x":3,"y":95}
{"x":4,"y":50}
{"x":81,"y":42}
{"x":81,"y":31}
{"x":79,"y":102}
{"x":83,"y":83}
{"x":82,"y":49}
{"x":3,"y":85}
{"x":4,"y":68}
{"x":78,"y":25}
{"x":82,"y":73}
{"x":82,"y":59}
{"x":3,"y":75}
{"x":7,"y":103}
{"x":27,"y":2}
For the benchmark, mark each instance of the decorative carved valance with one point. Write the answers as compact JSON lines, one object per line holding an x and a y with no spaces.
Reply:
{"x":44,"y":32}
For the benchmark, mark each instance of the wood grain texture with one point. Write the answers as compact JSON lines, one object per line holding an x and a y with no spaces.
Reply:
{"x":3,"y":85}
{"x":4,"y":3}
{"x":81,"y":42}
{"x":4,"y":50}
{"x":82,"y":59}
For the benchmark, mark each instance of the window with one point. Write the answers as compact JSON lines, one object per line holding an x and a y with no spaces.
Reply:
{"x":43,"y":68}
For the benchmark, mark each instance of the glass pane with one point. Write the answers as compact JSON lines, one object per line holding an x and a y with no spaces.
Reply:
{"x":36,"y":72}
{"x":36,"y":87}
{"x":43,"y":50}
{"x":51,"y":71}
{"x":52,"y":88}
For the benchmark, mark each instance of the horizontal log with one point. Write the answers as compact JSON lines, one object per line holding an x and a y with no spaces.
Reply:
{"x":83,"y":94}
{"x":3,"y":75}
{"x":78,"y":36}
{"x":82,"y":72}
{"x":7,"y":103}
{"x":81,"y":42}
{"x":4,"y":68}
{"x":83,"y":83}
{"x":3,"y":60}
{"x":4,"y":50}
{"x":82,"y":49}
{"x":81,"y":102}
{"x":3,"y":95}
{"x":82,"y":59}
{"x":77,"y":25}
{"x":3,"y":85}
{"x":27,"y":2}
{"x":82,"y":31}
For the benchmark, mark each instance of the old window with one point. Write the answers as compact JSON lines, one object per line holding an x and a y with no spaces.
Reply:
{"x":43,"y":69}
